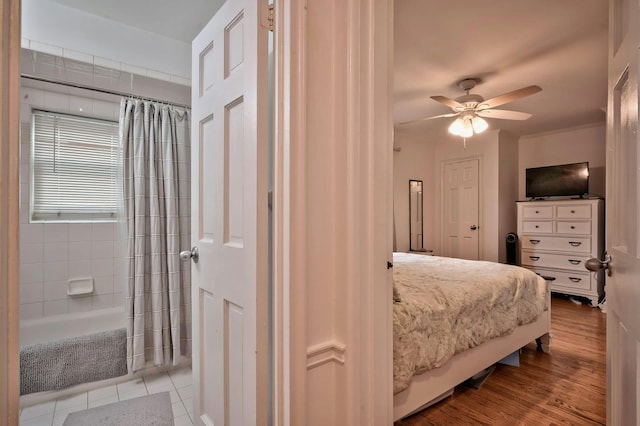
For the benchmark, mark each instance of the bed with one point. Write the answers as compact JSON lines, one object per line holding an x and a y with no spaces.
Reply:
{"x":453,"y":318}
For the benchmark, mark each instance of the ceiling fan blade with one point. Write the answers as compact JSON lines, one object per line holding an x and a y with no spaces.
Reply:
{"x":503,"y":114}
{"x":451,"y":114}
{"x":508,"y":97}
{"x":454,"y":105}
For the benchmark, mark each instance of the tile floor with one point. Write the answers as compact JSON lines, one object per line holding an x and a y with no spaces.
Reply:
{"x":177,"y":382}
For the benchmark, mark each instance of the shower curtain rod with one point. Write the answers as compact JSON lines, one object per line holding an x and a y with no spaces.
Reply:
{"x":96,"y":89}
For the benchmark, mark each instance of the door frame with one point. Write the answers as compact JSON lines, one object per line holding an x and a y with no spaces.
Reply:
{"x":9,"y":210}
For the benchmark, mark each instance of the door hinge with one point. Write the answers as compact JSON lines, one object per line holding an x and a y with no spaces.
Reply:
{"x":389,"y":265}
{"x":268,"y":17}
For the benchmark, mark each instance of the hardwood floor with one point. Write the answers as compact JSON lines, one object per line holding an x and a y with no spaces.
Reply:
{"x":564,"y":387}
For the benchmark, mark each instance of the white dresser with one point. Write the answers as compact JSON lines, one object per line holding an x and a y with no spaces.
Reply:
{"x":557,"y":237}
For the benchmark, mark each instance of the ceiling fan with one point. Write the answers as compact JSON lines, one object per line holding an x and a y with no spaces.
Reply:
{"x":470,"y":108}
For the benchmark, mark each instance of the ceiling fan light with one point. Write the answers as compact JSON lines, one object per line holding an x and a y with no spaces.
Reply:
{"x":467,"y":128}
{"x":456,"y":127}
{"x":479,"y":124}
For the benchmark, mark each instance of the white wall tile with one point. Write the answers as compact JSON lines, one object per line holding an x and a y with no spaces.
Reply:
{"x":79,"y":304}
{"x":56,"y":307}
{"x":78,"y":105}
{"x":106,"y":63}
{"x":56,"y":101}
{"x":24,"y":214}
{"x":45,"y":48}
{"x":159,"y":75}
{"x":102,"y":249}
{"x":80,"y":231}
{"x":31,"y":311}
{"x":56,"y":232}
{"x":31,"y":293}
{"x":103,"y":109}
{"x":31,"y":233}
{"x":24,"y":193}
{"x":77,"y":56}
{"x":34,"y":98}
{"x":56,"y":271}
{"x":103,"y":301}
{"x":103,"y":231}
{"x":79,"y":268}
{"x":55,"y":290}
{"x":31,"y":273}
{"x":56,"y":252}
{"x":79,"y":250}
{"x":103,"y":285}
{"x":102,"y":267}
{"x":31,"y":253}
{"x":133,"y":69}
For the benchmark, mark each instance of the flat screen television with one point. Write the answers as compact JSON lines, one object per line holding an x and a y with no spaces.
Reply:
{"x":560,"y":180}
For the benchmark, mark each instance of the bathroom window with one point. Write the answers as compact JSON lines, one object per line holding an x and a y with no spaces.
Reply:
{"x":74,"y":168}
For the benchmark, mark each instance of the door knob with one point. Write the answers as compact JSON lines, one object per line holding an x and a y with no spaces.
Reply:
{"x":473,"y":227}
{"x":594,"y":264}
{"x":190,"y":254}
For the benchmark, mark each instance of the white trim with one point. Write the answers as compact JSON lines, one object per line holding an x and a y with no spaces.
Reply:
{"x":564,"y":130}
{"x":9,"y":209}
{"x":325,"y":352}
{"x":289,"y":212}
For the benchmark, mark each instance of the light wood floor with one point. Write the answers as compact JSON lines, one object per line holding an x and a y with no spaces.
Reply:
{"x":565,"y":387}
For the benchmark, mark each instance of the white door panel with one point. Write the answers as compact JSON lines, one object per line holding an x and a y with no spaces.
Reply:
{"x":623,"y":226}
{"x":461,"y":209}
{"x":229,"y":217}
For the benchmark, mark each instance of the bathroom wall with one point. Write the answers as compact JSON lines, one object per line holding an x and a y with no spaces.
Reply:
{"x":53,"y":253}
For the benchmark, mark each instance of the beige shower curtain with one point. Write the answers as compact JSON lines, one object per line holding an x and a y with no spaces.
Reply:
{"x":155,"y":142}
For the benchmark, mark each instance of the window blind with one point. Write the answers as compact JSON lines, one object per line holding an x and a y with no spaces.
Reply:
{"x":74,"y":168}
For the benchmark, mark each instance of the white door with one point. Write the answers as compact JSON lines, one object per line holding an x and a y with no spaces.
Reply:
{"x":461,"y":209}
{"x":229,"y":217}
{"x":623,"y":222}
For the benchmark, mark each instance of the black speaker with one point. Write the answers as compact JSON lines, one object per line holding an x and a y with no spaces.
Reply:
{"x":512,"y":246}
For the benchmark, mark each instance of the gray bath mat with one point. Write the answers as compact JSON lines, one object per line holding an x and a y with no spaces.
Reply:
{"x":151,"y":410}
{"x":67,"y":362}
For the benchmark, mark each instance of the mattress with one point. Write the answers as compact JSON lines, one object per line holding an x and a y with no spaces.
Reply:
{"x":443,"y":306}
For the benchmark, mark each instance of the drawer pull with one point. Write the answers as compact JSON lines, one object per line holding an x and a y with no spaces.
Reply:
{"x":575,"y":279}
{"x":537,"y":212}
{"x":575,"y":243}
{"x":534,"y":258}
{"x":573,"y":227}
{"x":534,"y":241}
{"x":575,"y":262}
{"x":537,"y":227}
{"x":573,"y":211}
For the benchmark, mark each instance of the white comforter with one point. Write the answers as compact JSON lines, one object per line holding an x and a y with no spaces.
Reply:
{"x":449,"y":305}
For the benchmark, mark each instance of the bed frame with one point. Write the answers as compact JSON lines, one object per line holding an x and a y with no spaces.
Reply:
{"x":434,"y":385}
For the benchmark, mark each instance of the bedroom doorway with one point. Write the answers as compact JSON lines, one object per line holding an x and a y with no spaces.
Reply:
{"x":460,"y":209}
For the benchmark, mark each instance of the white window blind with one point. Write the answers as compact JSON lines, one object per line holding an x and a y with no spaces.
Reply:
{"x":74,"y":169}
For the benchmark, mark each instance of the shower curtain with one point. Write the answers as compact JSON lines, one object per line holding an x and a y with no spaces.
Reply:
{"x":155,"y":140}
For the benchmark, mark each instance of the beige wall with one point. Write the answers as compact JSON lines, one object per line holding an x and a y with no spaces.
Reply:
{"x":572,"y":145}
{"x":414,"y":160}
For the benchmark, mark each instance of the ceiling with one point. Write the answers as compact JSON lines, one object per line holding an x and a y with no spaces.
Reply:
{"x":560,"y":46}
{"x":180,"y":20}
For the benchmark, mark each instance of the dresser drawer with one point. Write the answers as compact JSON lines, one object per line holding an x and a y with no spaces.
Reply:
{"x":548,"y":260}
{"x":540,"y":212}
{"x":575,"y":228}
{"x":570,"y":212}
{"x":537,"y":227}
{"x":570,"y":244}
{"x":567,"y":280}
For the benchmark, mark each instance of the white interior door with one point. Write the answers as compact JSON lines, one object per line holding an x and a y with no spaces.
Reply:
{"x":460,"y":215}
{"x":623,"y":223}
{"x":229,"y":217}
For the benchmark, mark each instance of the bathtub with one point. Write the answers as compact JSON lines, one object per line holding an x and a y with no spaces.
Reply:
{"x":49,"y":329}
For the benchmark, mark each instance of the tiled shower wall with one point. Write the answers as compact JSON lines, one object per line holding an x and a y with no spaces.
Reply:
{"x":53,"y":253}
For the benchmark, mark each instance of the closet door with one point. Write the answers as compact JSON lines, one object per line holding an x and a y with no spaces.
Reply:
{"x":460,"y":211}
